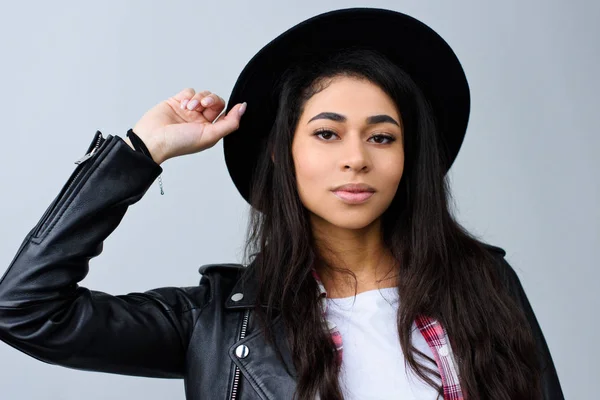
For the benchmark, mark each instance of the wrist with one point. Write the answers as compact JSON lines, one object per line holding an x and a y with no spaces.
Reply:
{"x":145,"y":146}
{"x":156,"y":151}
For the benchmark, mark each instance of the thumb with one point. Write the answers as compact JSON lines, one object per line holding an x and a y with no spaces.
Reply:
{"x":224,"y":125}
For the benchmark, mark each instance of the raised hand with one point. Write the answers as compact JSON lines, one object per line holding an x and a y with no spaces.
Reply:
{"x":185,"y":124}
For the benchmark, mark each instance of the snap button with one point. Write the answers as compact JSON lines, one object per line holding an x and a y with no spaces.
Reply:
{"x":443,"y":351}
{"x":237,"y":297}
{"x":242,"y":351}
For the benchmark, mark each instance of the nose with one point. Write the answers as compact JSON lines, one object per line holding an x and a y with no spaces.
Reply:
{"x":355,"y":155}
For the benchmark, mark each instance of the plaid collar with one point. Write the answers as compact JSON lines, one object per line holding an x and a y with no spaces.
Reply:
{"x":435,"y":335}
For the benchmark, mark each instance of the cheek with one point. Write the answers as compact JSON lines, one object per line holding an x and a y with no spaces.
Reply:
{"x":390,"y":170}
{"x":311,"y":175}
{"x":394,"y":169}
{"x":310,"y":171}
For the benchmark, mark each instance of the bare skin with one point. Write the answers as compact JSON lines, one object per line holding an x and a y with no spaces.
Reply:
{"x":185,"y":124}
{"x":352,"y":151}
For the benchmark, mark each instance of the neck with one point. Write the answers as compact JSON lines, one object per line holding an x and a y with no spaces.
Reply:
{"x":361,"y":252}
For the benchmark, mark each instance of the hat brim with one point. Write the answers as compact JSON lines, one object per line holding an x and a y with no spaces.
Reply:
{"x":406,"y":41}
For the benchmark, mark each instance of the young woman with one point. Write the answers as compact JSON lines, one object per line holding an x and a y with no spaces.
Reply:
{"x":359,"y":282}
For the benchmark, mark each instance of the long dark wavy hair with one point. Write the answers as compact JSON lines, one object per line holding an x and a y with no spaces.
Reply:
{"x":444,"y":271}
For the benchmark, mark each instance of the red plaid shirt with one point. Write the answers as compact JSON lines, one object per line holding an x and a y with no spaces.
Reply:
{"x":435,"y":335}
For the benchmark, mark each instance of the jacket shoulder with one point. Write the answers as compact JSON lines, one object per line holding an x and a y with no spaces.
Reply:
{"x":505,"y":271}
{"x":550,"y":383}
{"x":222,"y":268}
{"x":221,"y":277}
{"x":495,"y":249}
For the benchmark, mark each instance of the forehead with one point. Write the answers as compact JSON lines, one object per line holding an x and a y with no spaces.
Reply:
{"x":351,"y":96}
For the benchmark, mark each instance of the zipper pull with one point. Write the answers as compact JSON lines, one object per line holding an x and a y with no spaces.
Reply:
{"x":98,"y":139}
{"x":85,"y":157}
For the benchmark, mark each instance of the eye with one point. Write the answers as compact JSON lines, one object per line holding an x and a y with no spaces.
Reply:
{"x":389,"y":138}
{"x":324,"y":132}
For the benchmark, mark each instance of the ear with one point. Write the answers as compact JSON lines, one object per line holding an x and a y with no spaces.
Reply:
{"x":273,"y":157}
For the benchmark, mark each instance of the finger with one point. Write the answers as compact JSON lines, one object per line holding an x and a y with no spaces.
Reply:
{"x":194,"y":102}
{"x":225,"y":124}
{"x":183,"y":97}
{"x":186,"y":93}
{"x":214,"y":106}
{"x":211,"y":100}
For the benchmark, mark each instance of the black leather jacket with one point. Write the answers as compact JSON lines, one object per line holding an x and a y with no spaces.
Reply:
{"x":204,"y":334}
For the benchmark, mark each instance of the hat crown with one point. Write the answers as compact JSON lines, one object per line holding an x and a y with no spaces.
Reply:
{"x":404,"y":40}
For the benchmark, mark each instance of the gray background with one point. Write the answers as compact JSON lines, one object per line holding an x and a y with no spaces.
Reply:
{"x":526,"y":178}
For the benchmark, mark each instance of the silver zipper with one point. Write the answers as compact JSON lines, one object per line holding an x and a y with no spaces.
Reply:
{"x":236,"y":376}
{"x":87,"y":156}
{"x":43,"y":223}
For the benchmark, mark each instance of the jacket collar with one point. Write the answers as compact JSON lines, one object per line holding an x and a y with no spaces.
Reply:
{"x":245,"y":291}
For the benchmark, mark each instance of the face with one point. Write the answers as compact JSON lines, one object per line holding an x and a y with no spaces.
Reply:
{"x":349,"y":133}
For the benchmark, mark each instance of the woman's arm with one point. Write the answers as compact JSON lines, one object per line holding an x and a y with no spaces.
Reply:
{"x":46,"y":314}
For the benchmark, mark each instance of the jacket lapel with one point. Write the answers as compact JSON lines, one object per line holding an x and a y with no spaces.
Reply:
{"x":271,"y":377}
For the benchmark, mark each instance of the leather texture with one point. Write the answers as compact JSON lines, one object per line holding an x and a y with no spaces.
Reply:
{"x":190,"y":333}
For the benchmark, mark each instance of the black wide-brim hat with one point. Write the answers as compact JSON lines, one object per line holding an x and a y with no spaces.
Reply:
{"x":406,"y":41}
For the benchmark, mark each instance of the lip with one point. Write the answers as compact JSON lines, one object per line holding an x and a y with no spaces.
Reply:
{"x":353,"y":197}
{"x":354,"y":187}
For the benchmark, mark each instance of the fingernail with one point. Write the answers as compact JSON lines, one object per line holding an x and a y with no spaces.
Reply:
{"x":192,"y":104}
{"x":207,"y":101}
{"x":184,"y":103}
{"x":242,"y":109}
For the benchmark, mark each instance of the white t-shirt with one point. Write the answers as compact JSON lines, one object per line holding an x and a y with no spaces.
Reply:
{"x":373,"y":361}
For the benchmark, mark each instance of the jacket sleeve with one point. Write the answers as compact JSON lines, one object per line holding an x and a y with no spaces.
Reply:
{"x":551,"y":388}
{"x":47,"y":315}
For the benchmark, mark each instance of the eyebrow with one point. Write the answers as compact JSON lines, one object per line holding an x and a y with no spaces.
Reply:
{"x":372,"y":120}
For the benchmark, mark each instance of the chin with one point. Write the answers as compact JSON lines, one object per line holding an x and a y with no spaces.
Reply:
{"x":358,"y":219}
{"x":353,"y":225}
